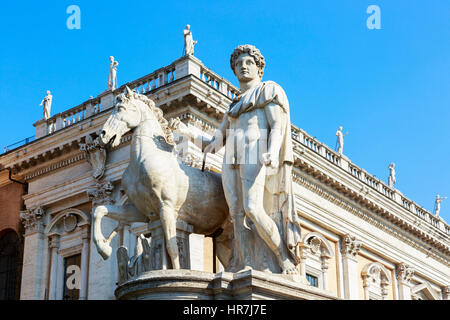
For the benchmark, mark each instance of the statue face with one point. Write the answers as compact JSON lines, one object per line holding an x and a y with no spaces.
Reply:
{"x":245,"y":68}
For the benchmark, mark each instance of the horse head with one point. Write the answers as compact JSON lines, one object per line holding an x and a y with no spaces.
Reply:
{"x":130,"y":109}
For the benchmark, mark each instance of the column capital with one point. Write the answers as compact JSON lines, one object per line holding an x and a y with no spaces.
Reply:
{"x":446,"y":292}
{"x":32,"y":220}
{"x":350,"y":246}
{"x":404,"y":273}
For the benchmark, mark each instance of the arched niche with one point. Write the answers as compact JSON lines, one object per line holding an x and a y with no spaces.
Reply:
{"x":315,"y":250}
{"x":376,"y":278}
{"x":68,"y":238}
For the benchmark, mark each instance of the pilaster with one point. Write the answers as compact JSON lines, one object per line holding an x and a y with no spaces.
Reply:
{"x":404,"y":275}
{"x":33,"y":257}
{"x":350,"y":246}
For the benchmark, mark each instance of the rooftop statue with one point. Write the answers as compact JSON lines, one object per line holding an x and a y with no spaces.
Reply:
{"x":256,"y":171}
{"x":391,"y":179}
{"x":47,"y":102}
{"x":189,"y":43}
{"x":437,"y":204}
{"x":112,"y":76}
{"x":340,"y":140}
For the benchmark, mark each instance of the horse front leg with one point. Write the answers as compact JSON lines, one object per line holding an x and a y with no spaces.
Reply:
{"x":123,"y":214}
{"x":168,"y":218}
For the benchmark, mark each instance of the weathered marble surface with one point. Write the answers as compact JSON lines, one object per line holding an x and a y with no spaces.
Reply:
{"x":256,"y":171}
{"x":193,"y":284}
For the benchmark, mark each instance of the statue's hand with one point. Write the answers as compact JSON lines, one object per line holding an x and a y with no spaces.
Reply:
{"x":269,"y":159}
{"x":210,"y":148}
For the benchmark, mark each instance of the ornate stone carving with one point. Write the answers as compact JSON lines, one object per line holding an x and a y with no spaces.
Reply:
{"x":96,"y":156}
{"x":350,"y":246}
{"x":32,"y":219}
{"x":100,"y":194}
{"x":314,"y":244}
{"x":194,"y":161}
{"x":70,"y":222}
{"x":446,"y":292}
{"x":404,"y":273}
{"x":375,"y":273}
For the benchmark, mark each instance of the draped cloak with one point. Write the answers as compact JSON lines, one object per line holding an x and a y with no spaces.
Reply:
{"x":280,"y":183}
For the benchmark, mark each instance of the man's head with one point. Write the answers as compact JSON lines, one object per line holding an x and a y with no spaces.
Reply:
{"x":340,"y":128}
{"x":48,"y":92}
{"x":247,"y":62}
{"x":188,"y":27}
{"x":111,"y":58}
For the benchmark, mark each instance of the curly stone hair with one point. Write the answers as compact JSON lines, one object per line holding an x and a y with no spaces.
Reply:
{"x":253,"y":52}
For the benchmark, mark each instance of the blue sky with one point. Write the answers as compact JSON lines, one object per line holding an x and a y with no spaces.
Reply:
{"x":388,"y":88}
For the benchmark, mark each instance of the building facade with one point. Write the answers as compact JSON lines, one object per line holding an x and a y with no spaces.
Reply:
{"x":361,"y":239}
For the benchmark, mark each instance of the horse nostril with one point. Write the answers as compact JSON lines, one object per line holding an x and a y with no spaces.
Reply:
{"x":103,"y":133}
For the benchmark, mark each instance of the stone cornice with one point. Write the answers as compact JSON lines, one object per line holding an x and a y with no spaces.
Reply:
{"x":376,"y":220}
{"x":356,"y":191}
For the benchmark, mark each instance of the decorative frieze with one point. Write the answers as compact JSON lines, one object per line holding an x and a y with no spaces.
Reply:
{"x":32,"y":220}
{"x":380,"y":223}
{"x":350,"y":246}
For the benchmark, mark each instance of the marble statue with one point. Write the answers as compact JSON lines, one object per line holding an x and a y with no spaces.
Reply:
{"x":112,"y":73}
{"x":158,"y":186}
{"x":47,"y":102}
{"x":189,"y":43}
{"x":391,"y":179}
{"x":257,"y":176}
{"x":340,"y":140}
{"x":437,"y":204}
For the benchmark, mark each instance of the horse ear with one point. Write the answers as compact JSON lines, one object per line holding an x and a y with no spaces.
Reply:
{"x":128,"y":91}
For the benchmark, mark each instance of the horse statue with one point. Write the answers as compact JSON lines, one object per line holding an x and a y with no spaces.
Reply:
{"x":158,"y":184}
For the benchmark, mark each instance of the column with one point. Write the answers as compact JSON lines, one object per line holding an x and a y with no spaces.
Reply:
{"x":85,"y":236}
{"x":349,"y":249}
{"x":324,"y":259}
{"x":53,"y":246}
{"x":404,"y":275}
{"x":33,"y":256}
{"x":303,"y":256}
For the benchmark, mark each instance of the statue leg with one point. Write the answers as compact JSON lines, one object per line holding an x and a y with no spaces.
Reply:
{"x":241,"y":255}
{"x":253,"y":180}
{"x":127,"y":214}
{"x":169,"y":223}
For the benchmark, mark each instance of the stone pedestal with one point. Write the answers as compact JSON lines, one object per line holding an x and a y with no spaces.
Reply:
{"x":192,"y":284}
{"x":107,"y":99}
{"x":158,"y":253}
{"x":41,"y":128}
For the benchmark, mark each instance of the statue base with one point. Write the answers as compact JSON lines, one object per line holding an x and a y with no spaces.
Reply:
{"x":199,"y":285}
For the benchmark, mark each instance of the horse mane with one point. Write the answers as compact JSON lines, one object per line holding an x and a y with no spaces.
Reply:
{"x":168,"y":134}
